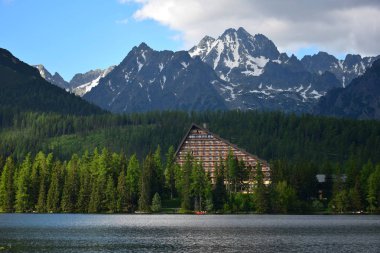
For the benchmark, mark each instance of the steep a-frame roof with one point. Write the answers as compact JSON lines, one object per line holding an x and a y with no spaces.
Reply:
{"x":195,"y":126}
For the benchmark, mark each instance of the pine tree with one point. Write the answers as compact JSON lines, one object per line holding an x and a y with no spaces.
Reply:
{"x":158,"y":178}
{"x":185,"y":183}
{"x":41,"y":203}
{"x":7,"y":190}
{"x":373,"y":195}
{"x":260,"y":193}
{"x":110,"y":196}
{"x":85,"y":184}
{"x":146,"y":184}
{"x":198,"y":186}
{"x":132,"y":182}
{"x":121,"y":192}
{"x":98,"y":196}
{"x":170,"y":172}
{"x":54,"y":192}
{"x":156,"y":203}
{"x":71,"y":186}
{"x":219,"y":189}
{"x":38,"y":170}
{"x":22,"y":183}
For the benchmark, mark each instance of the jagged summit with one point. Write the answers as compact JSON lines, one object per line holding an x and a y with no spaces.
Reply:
{"x":143,"y":46}
{"x":158,"y":80}
{"x":361,"y":99}
{"x":55,"y":79}
{"x":235,"y":70}
{"x":83,"y":83}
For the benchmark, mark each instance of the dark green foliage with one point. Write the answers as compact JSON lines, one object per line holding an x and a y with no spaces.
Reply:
{"x":147,"y":182}
{"x":156,"y":203}
{"x":54,"y":193}
{"x":261,"y":198}
{"x":23,"y":89}
{"x":270,"y":135}
{"x":102,"y":182}
{"x":170,"y":171}
{"x":74,"y":180}
{"x":132,"y":182}
{"x":219,"y":189}
{"x":22,"y":185}
{"x":7,"y":189}
{"x":184,"y":183}
{"x":122,"y":193}
{"x":285,"y":198}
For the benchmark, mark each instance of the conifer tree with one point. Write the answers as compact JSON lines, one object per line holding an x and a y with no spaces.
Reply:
{"x":133,"y":181}
{"x":170,"y":172}
{"x":219,"y":189}
{"x":198,"y":186}
{"x":122,"y":196}
{"x":110,"y":196}
{"x":38,"y":170}
{"x":260,"y":193}
{"x":146,"y":184}
{"x":85,"y":183}
{"x":7,"y":190}
{"x":373,"y":196}
{"x":41,"y":203}
{"x":156,"y":203}
{"x":22,"y":183}
{"x":71,"y":186}
{"x":185,"y":183}
{"x":158,"y":179}
{"x":98,"y":197}
{"x":54,"y":192}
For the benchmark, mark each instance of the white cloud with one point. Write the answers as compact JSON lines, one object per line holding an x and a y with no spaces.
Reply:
{"x":337,"y":26}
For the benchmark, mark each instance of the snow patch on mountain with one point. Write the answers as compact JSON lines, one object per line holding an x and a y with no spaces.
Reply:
{"x":81,"y":90}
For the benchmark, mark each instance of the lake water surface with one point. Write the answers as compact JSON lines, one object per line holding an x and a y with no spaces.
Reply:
{"x":188,"y":233}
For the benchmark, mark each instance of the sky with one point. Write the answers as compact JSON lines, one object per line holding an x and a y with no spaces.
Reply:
{"x":72,"y":37}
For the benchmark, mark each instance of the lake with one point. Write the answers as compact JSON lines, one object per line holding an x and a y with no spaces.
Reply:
{"x":188,"y":233}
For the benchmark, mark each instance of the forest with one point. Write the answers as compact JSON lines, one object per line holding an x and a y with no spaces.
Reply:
{"x":105,"y":182}
{"x":114,"y":163}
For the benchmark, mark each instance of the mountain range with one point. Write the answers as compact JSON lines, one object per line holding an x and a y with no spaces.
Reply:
{"x":360,"y":99}
{"x":234,"y":71}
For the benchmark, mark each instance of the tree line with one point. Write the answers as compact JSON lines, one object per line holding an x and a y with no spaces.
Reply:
{"x":109,"y":182}
{"x":270,"y":135}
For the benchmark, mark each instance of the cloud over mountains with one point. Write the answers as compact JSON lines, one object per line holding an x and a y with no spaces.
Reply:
{"x":338,"y":26}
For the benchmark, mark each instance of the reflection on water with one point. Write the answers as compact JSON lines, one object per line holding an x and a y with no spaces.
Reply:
{"x":188,"y":233}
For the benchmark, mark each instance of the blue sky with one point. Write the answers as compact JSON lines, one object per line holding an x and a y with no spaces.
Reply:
{"x":76,"y":36}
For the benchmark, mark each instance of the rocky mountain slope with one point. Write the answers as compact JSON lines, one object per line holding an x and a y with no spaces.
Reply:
{"x":149,"y":80}
{"x":237,"y":70}
{"x":83,"y":83}
{"x":360,"y":99}
{"x":260,"y":77}
{"x":55,"y":79}
{"x":80,"y":84}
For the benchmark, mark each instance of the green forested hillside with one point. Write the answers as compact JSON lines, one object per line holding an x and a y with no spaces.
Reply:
{"x":22,"y":88}
{"x":270,"y":135}
{"x":298,"y":148}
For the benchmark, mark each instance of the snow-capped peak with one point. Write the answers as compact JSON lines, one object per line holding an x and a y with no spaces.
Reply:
{"x":91,"y":79}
